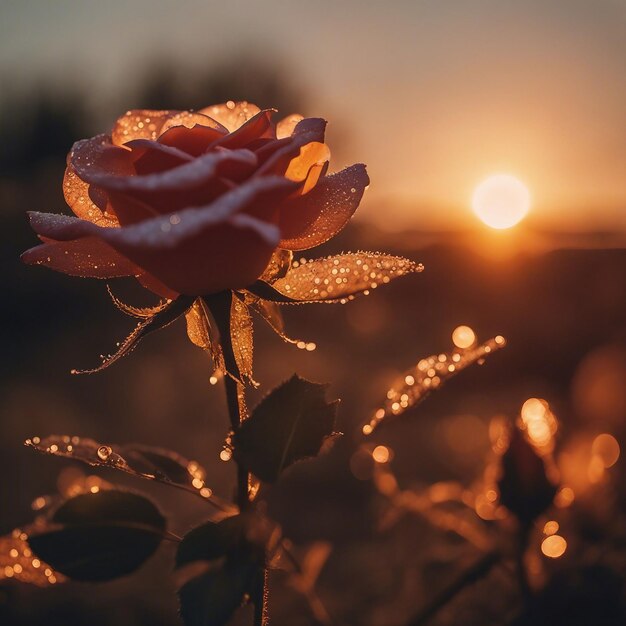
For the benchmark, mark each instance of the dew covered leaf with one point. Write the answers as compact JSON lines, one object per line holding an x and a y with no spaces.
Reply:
{"x":141,"y":313}
{"x":524,"y":486}
{"x":143,"y":461}
{"x":341,"y":277}
{"x":271,"y":313}
{"x":17,"y":561}
{"x":290,"y":424}
{"x":429,"y":374}
{"x":242,"y":338}
{"x":202,"y":334}
{"x":100,"y":536}
{"x":165,"y":316}
{"x":278,"y":266}
{"x":198,"y":326}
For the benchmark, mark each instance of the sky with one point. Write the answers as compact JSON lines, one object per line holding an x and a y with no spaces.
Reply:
{"x":434,"y":95}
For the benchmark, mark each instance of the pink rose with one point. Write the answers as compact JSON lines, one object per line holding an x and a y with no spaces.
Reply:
{"x":196,"y":202}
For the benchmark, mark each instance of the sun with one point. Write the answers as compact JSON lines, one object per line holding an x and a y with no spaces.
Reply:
{"x":501,"y":201}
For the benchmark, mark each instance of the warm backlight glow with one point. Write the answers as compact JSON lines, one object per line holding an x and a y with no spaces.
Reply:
{"x":501,"y":201}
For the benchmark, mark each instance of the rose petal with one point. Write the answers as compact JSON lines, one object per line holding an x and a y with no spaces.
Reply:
{"x":312,"y":157}
{"x":314,"y":218}
{"x":192,"y":184}
{"x":231,"y":114}
{"x":88,"y":257}
{"x":130,"y":210}
{"x":151,"y":156}
{"x":196,"y":251}
{"x":257,"y":127}
{"x":193,"y":141}
{"x":276,"y":157}
{"x":204,"y":262}
{"x":86,"y":201}
{"x":314,"y":125}
{"x":316,"y":171}
{"x":286,"y":126}
{"x":189,"y":119}
{"x":269,"y":148}
{"x":156,"y":286}
{"x":97,"y":156}
{"x":139,"y":124}
{"x":188,"y":175}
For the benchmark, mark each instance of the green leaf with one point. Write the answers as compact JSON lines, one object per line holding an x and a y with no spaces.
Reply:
{"x":524,"y":486}
{"x":100,"y":536}
{"x":290,"y":424}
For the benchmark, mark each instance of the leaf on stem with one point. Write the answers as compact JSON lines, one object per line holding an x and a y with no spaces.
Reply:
{"x":165,"y":316}
{"x":278,"y":266}
{"x":211,"y":598}
{"x":217,"y":566}
{"x":234,"y":325}
{"x":242,"y":338}
{"x":336,"y":278}
{"x":141,"y":313}
{"x":202,"y":334}
{"x":149,"y":462}
{"x":100,"y":536}
{"x":211,"y":540}
{"x":290,"y":424}
{"x":414,"y":385}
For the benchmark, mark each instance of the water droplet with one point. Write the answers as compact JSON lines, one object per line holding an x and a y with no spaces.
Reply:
{"x":104,"y":452}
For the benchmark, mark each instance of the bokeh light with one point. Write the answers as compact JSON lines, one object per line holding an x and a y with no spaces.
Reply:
{"x":463,"y":337}
{"x":564,"y":497}
{"x":606,"y":448}
{"x":539,"y":423}
{"x":381,"y":454}
{"x":554,"y":546}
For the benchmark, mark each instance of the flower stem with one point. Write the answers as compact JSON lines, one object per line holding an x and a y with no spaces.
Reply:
{"x":233,"y":392}
{"x":234,"y":399}
{"x":260,"y":599}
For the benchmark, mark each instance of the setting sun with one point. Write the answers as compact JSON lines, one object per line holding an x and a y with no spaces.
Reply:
{"x":501,"y":201}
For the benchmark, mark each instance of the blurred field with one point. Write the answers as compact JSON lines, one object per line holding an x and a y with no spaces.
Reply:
{"x":562,"y":311}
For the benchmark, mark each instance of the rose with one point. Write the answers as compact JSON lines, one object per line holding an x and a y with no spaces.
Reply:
{"x":196,"y":202}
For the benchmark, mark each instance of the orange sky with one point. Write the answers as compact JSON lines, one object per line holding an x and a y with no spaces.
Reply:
{"x":432,"y":95}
